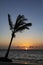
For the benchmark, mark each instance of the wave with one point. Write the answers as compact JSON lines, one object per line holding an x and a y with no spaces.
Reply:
{"x":28,"y":60}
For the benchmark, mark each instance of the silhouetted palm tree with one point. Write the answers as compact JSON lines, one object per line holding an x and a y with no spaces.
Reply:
{"x":19,"y":25}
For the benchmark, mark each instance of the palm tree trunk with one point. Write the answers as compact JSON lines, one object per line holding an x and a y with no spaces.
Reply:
{"x":9,"y":48}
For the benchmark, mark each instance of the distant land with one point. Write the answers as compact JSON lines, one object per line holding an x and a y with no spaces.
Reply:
{"x":23,"y":48}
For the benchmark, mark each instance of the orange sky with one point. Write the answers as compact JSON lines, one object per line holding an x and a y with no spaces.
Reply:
{"x":21,"y":43}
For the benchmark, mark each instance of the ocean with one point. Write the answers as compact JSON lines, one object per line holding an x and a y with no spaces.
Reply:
{"x":24,"y":56}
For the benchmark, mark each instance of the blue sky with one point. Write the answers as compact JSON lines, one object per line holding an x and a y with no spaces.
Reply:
{"x":32,"y":10}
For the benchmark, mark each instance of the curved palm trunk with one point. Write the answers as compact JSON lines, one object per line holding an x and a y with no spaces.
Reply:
{"x":9,"y":45}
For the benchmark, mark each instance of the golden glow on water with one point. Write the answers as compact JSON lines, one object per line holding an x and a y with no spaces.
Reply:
{"x":25,"y":63}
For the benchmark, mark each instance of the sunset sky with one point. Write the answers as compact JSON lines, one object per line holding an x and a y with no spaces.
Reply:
{"x":33,"y":11}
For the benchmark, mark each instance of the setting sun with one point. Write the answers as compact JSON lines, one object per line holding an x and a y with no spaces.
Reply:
{"x":26,"y":48}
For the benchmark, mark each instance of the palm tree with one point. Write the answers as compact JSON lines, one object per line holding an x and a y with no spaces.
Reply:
{"x":19,"y":25}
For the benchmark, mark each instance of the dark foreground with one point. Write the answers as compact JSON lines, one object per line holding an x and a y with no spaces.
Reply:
{"x":3,"y":59}
{"x":10,"y":63}
{"x":6,"y":61}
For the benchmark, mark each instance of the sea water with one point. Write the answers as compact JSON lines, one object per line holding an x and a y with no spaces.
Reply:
{"x":24,"y":56}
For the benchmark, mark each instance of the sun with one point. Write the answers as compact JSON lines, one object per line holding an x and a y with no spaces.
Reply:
{"x":26,"y":48}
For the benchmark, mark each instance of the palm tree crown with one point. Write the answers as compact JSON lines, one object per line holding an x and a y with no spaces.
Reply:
{"x":19,"y":25}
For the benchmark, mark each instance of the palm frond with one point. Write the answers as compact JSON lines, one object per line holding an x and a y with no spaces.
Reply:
{"x":22,"y":27}
{"x":20,"y":21}
{"x":28,"y":24}
{"x":19,"y":17}
{"x":10,"y":22}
